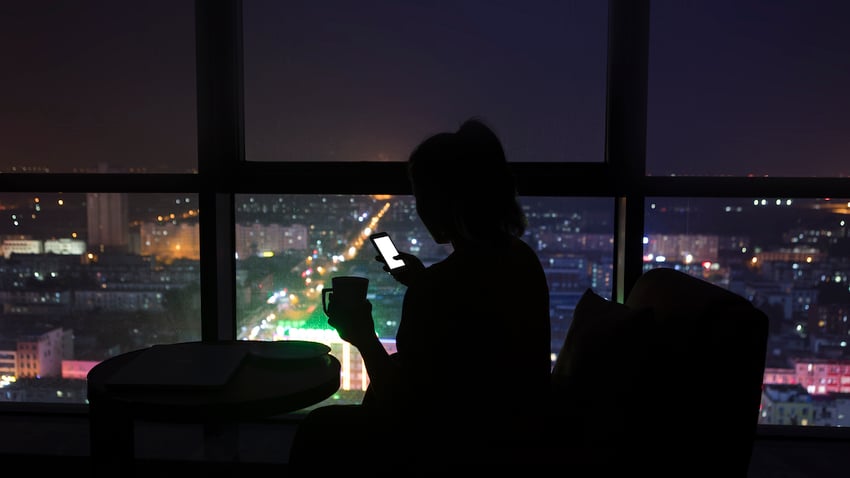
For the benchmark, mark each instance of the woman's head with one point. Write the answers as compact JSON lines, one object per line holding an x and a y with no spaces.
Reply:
{"x":463,"y":186}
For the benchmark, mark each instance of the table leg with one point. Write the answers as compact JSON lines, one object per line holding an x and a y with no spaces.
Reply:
{"x":111,"y":441}
{"x":221,"y":441}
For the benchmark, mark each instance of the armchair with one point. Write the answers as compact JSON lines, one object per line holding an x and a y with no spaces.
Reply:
{"x":670,"y":378}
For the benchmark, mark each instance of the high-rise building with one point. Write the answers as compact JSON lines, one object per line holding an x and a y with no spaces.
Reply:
{"x":107,"y":220}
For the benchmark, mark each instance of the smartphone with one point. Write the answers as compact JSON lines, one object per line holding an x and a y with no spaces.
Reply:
{"x":385,"y":246}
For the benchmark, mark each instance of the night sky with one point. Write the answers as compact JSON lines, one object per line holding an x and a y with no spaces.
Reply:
{"x":736,"y":87}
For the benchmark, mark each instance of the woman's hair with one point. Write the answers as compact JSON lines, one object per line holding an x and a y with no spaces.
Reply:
{"x":466,"y":177}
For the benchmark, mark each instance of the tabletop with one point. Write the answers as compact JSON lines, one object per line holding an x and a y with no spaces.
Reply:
{"x":270,"y":378}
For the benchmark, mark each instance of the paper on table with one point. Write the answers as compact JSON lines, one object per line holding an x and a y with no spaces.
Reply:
{"x":181,"y":366}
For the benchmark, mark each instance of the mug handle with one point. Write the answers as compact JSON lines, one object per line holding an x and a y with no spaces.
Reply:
{"x":324,"y":303}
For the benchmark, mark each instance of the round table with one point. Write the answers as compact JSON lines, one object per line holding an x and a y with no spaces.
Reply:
{"x":271,"y":378}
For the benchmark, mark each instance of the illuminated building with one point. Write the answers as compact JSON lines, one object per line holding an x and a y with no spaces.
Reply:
{"x":107,"y":220}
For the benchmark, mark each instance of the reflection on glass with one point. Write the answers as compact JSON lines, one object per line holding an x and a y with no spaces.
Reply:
{"x":84,"y":277}
{"x":791,"y":258}
{"x":288,"y":248}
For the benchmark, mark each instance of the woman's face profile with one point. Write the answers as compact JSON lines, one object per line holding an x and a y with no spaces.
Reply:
{"x":429,"y":211}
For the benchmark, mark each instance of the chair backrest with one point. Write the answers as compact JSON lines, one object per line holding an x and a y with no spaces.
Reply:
{"x":709,"y":359}
{"x":672,"y":376}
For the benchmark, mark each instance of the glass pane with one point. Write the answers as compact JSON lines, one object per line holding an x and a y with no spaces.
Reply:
{"x":289,"y":246}
{"x":94,"y":86}
{"x":84,"y":277}
{"x":362,"y":81}
{"x":749,"y":88}
{"x":791,"y":258}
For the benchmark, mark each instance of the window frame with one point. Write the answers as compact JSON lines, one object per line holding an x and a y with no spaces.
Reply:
{"x":621,"y":175}
{"x":223,"y":171}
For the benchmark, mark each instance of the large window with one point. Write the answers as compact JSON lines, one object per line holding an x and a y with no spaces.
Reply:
{"x":365,"y":81}
{"x":748,"y":88}
{"x":85,"y":276}
{"x":790,"y":257}
{"x":289,"y":246}
{"x":99,"y":234}
{"x":97,"y":86}
{"x":672,"y":133}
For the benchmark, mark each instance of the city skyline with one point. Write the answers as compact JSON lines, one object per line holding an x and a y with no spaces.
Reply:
{"x":269,"y":286}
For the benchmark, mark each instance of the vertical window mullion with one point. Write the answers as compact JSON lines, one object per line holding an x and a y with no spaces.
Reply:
{"x":220,"y":151}
{"x":625,"y":139}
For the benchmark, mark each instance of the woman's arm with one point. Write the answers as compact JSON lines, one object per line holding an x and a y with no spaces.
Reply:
{"x":356,"y":326}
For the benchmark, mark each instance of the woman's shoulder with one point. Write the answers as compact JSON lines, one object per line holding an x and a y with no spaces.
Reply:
{"x":515,"y":255}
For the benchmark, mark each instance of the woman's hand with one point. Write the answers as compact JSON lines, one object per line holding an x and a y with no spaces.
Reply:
{"x":406,"y":274}
{"x":353,"y":322}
